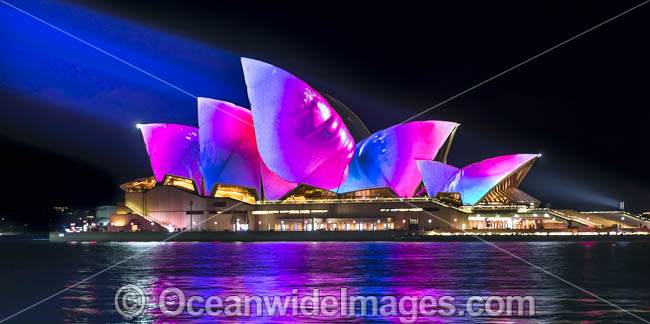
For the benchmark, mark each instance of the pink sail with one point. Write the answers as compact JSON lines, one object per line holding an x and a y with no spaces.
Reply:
{"x":229,"y":152}
{"x":173,"y":150}
{"x":274,"y":186}
{"x":388,"y":157}
{"x":228,"y":149}
{"x":299,"y":136}
{"x":474,"y":181}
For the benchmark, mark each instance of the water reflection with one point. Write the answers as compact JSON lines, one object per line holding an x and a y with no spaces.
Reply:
{"x":617,"y":272}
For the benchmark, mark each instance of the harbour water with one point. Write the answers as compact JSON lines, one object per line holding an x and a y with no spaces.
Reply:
{"x":616,"y":272}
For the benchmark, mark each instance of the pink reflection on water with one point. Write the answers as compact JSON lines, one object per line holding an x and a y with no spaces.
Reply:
{"x":370,"y":269}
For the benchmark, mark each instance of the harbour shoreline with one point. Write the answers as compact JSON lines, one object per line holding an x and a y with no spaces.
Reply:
{"x":350,"y":236}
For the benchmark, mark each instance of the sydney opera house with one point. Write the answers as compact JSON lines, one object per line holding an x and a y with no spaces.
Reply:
{"x":300,"y":160}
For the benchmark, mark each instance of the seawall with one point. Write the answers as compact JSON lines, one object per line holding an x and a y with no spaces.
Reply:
{"x":317,"y":236}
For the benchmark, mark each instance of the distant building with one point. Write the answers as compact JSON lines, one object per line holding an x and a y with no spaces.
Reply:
{"x":103,"y":213}
{"x":67,"y":218}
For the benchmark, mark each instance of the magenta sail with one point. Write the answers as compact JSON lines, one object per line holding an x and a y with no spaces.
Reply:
{"x":474,"y":181}
{"x":228,"y":149}
{"x":388,"y":157}
{"x":229,"y":152}
{"x":299,"y":136}
{"x":274,"y":186}
{"x":173,"y":150}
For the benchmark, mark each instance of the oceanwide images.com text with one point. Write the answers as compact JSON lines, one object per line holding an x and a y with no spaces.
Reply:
{"x":131,"y":301}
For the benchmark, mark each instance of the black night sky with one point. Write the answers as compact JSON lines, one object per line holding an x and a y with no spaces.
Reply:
{"x":584,"y":106}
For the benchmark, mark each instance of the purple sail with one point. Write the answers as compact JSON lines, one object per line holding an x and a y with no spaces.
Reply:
{"x":474,"y":181}
{"x":388,"y":157}
{"x":229,"y":152}
{"x":274,"y":186}
{"x":299,"y":136}
{"x":228,"y":149}
{"x":436,"y":175}
{"x":173,"y":150}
